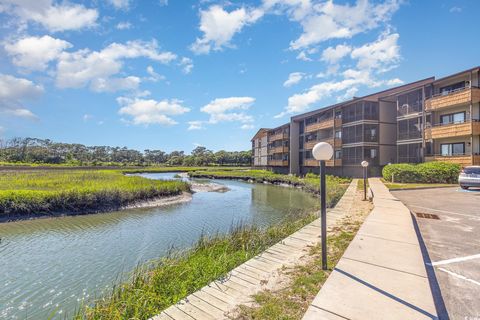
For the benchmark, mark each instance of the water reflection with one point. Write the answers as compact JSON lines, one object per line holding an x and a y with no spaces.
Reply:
{"x":50,"y":265}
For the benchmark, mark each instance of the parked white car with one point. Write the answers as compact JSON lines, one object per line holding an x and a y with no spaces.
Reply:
{"x":469,"y":177}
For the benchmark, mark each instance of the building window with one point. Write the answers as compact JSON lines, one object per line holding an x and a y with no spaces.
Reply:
{"x":370,"y":133}
{"x":452,"y":149}
{"x":308,"y":154}
{"x":338,"y":154}
{"x":338,"y":134}
{"x":338,"y":114}
{"x":411,"y":102}
{"x":410,"y":153}
{"x":409,"y":129}
{"x":458,"y":117}
{"x":453,"y":87}
{"x":367,"y":110}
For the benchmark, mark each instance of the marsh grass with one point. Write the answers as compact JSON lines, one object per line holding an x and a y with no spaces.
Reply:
{"x":158,"y":285}
{"x":336,"y":186}
{"x":77,"y":191}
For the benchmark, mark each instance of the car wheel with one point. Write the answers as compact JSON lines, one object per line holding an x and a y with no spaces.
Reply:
{"x":464,"y":187}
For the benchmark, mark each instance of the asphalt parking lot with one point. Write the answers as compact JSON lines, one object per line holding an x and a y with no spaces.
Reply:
{"x":452,"y":242}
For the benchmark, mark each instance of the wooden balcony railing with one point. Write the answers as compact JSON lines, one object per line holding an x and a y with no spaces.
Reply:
{"x":315,"y":163}
{"x":453,"y":130}
{"x":324,"y":124}
{"x":278,"y":136}
{"x":453,"y":98}
{"x":309,"y":145}
{"x":280,"y":149}
{"x":463,"y":160}
{"x":278,"y":163}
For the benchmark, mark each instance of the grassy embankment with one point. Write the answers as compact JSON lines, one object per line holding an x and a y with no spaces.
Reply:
{"x":311,"y":183}
{"x":77,"y":191}
{"x":160,"y":284}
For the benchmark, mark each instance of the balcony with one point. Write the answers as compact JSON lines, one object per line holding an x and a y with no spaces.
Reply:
{"x":453,"y":98}
{"x":278,"y":136}
{"x":338,"y":143}
{"x":280,"y":149}
{"x":315,"y":163}
{"x":463,"y":160}
{"x":278,"y":163}
{"x":309,"y":145}
{"x":325,"y":124}
{"x":453,"y":130}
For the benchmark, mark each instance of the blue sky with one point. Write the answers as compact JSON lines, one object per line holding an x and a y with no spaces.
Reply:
{"x":174,"y":74}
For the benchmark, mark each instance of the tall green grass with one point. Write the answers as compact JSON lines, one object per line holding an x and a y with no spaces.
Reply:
{"x":336,"y":186}
{"x":77,"y":191}
{"x":158,"y":285}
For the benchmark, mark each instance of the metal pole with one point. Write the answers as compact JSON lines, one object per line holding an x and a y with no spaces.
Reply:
{"x":323,"y":196}
{"x":364,"y":183}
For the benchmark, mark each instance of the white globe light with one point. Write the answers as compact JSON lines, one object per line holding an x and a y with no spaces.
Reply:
{"x":364,"y":164}
{"x":322,"y":151}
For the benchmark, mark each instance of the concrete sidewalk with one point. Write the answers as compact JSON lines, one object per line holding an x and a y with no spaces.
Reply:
{"x":382,"y":274}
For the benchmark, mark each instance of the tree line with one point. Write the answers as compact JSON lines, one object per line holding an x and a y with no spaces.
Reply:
{"x":45,"y":151}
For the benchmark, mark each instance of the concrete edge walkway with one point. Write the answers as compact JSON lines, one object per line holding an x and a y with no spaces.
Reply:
{"x":382,"y":274}
{"x":221,"y":297}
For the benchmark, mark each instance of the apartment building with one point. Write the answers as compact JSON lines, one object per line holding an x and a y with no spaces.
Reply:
{"x":259,"y":148}
{"x":452,"y":114}
{"x":426,"y":120}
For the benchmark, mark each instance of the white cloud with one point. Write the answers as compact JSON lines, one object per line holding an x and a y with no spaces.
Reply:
{"x":382,"y":54}
{"x":333,"y":55}
{"x":13,"y":91}
{"x":327,"y":20}
{"x":52,"y":16}
{"x":293,"y":78}
{"x":120,"y":4}
{"x":186,"y":64}
{"x":372,"y":59}
{"x":229,"y":110}
{"x":154,"y":76}
{"x":151,"y":111}
{"x":85,"y":67}
{"x":219,"y":26}
{"x":115,"y":84}
{"x":195,"y":125}
{"x":124,"y":25}
{"x":87,"y":117}
{"x":34,"y":53}
{"x":455,"y":10}
{"x":247,"y":127}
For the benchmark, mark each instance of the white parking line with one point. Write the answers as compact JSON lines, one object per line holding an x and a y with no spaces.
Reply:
{"x":443,"y":211}
{"x":459,"y":259}
{"x":459,"y":276}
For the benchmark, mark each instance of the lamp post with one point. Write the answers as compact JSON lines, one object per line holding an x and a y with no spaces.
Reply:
{"x":323,"y":151}
{"x":365,"y":166}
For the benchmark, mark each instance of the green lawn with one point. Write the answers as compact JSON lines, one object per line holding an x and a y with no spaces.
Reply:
{"x":393,"y":186}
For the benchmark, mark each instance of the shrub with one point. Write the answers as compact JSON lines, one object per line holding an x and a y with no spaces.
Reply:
{"x":428,"y":172}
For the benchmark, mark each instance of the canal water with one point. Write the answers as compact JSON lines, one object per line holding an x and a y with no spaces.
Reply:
{"x":49,"y":266}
